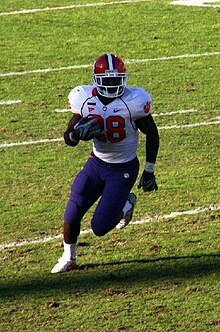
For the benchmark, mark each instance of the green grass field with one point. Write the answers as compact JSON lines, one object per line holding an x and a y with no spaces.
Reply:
{"x":162,"y":272}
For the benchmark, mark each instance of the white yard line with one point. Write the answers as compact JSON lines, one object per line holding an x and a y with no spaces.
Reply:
{"x":190,"y":125}
{"x":174,"y":112}
{"x":65,"y":110}
{"x":47,"y":9}
{"x":9,"y":102}
{"x":128,"y":61}
{"x":47,"y":70}
{"x":40,"y":141}
{"x":176,"y":214}
{"x":197,"y":3}
{"x":142,"y":221}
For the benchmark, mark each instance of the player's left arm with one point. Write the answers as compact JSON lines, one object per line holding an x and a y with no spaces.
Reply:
{"x":147,"y":126}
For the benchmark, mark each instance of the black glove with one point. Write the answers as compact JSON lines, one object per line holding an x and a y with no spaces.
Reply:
{"x":86,"y":129}
{"x":148,"y":181}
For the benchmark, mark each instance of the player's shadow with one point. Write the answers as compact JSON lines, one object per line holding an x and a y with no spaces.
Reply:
{"x":161,"y":259}
{"x":95,"y":277}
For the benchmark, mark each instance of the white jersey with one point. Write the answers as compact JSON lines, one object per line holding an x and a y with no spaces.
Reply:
{"x":118,"y":140}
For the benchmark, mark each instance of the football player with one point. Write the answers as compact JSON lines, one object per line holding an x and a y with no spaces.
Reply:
{"x":111,"y":115}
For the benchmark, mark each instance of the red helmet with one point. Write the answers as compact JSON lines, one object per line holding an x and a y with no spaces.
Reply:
{"x":109,"y":75}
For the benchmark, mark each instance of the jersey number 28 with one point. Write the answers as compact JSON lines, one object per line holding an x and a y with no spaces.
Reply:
{"x":115,"y":128}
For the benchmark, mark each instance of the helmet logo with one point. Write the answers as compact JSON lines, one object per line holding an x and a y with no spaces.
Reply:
{"x":109,"y":71}
{"x":147,"y":107}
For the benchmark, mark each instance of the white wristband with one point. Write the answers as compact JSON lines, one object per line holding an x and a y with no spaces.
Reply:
{"x":149,"y":167}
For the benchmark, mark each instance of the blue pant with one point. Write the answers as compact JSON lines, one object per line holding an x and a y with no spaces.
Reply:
{"x":111,"y":182}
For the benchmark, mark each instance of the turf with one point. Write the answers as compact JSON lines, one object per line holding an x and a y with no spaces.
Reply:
{"x":161,"y":275}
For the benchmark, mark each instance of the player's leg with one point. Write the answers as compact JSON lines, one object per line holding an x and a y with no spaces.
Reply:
{"x":127,"y":212}
{"x":116,"y":199}
{"x":86,"y":189}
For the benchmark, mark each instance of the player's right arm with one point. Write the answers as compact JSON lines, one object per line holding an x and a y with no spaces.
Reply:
{"x":80,"y":127}
{"x":75,"y":100}
{"x":69,"y":137}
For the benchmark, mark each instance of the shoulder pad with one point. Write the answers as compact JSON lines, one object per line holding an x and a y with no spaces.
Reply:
{"x":139,"y":102}
{"x":77,"y":97}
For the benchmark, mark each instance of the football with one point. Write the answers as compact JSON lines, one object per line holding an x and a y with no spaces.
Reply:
{"x":87,"y":128}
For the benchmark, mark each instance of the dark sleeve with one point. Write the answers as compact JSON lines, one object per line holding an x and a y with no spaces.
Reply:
{"x":149,"y":128}
{"x":70,"y":130}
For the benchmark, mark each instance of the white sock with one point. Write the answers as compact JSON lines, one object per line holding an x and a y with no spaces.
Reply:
{"x":69,"y":251}
{"x":127,"y":207}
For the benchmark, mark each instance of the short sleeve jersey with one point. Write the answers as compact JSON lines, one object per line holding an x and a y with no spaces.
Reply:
{"x":118,"y":139}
